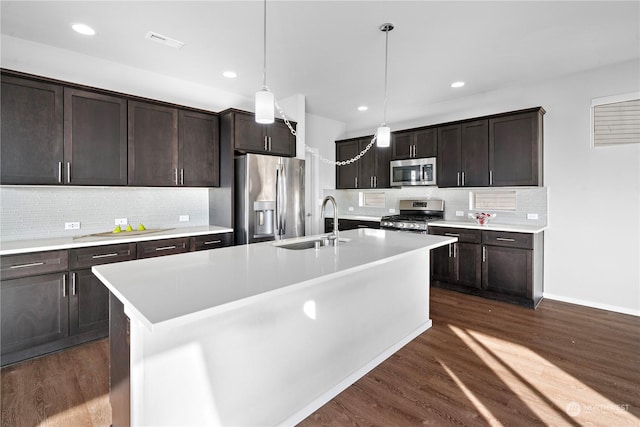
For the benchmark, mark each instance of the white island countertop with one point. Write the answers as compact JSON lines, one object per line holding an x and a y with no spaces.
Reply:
{"x":515,"y":228}
{"x":182,"y":288}
{"x":57,"y":243}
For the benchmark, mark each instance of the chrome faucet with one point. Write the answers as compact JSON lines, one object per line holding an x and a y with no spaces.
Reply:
{"x":335,"y":216}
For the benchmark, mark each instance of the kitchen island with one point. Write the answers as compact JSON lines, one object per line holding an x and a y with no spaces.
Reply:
{"x":260,"y":334}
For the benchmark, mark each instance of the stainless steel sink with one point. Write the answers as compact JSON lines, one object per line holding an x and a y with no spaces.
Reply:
{"x":308,"y":244}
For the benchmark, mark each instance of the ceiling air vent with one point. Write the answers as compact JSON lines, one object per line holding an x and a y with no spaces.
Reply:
{"x":164,"y":40}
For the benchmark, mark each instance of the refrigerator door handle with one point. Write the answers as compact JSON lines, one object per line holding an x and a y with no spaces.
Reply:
{"x":279,"y":208}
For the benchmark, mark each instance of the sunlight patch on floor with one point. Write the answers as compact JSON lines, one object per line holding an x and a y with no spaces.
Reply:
{"x":531,"y":377}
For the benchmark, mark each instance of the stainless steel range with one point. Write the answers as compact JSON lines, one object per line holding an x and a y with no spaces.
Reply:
{"x":414,"y":215}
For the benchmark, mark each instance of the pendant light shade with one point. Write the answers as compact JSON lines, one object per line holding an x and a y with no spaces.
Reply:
{"x":384,"y":136}
{"x":264,"y":106}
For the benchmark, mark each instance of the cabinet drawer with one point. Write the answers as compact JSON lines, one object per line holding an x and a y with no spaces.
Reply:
{"x":466,"y":235}
{"x":96,"y":255}
{"x":211,"y":241}
{"x":508,"y":239}
{"x":33,"y":264}
{"x":163,"y":247}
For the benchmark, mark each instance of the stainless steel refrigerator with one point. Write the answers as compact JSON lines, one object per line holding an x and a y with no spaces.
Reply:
{"x":269,"y":198}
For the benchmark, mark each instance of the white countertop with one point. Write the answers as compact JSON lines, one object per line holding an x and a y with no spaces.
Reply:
{"x":38,"y":245}
{"x":490,"y":227}
{"x":182,"y":288}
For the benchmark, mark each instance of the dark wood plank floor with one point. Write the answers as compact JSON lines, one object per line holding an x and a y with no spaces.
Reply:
{"x":482,"y":363}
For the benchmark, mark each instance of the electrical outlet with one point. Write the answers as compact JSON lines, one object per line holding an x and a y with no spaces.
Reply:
{"x":121,"y":221}
{"x":532,"y":216}
{"x":459,"y":213}
{"x":350,"y":208}
{"x":392,"y":210}
{"x":72,"y":225}
{"x":184,"y":218}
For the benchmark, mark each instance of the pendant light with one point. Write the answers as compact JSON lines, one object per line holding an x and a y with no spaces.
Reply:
{"x":384,"y":132}
{"x":264,"y":98}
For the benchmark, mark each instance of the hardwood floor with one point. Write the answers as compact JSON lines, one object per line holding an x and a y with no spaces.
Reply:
{"x":482,"y":363}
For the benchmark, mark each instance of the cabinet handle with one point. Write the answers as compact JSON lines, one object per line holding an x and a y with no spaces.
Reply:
{"x":265,"y":143}
{"x":452,"y":234}
{"x":73,"y":284}
{"x":450,"y":244}
{"x":458,"y":179}
{"x":490,"y":177}
{"x":505,"y":239}
{"x":32,"y":264}
{"x":60,"y":172}
{"x":181,"y":176}
{"x":104,"y":255}
{"x":212,"y":242}
{"x":375,"y":181}
{"x":463,"y":179}
{"x":165,"y":248}
{"x":484,"y":254}
{"x":175,"y":176}
{"x":64,"y":286}
{"x":356,"y":179}
{"x":455,"y":250}
{"x":68,"y":172}
{"x":269,"y":143}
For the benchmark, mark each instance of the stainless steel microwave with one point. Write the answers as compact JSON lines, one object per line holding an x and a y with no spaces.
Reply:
{"x":413,"y":172}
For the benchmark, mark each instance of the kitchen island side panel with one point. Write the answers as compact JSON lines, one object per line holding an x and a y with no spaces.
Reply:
{"x":277,"y":360}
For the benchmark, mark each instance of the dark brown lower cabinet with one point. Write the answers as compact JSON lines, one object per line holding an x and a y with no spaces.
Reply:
{"x":34,"y":315}
{"x":88,"y":304}
{"x":505,"y":266}
{"x":349,"y":224}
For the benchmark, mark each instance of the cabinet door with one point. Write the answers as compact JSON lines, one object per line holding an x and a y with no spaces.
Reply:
{"x":507,"y":270}
{"x":474,"y":160}
{"x":249,"y":136}
{"x":441,"y":264}
{"x":402,"y":145}
{"x":211,"y":241}
{"x":515,"y":149}
{"x":281,"y":141}
{"x":95,"y":138}
{"x":347,"y":175}
{"x":468,"y":268}
{"x":366,"y":164}
{"x":153,"y":145}
{"x":163,"y":247}
{"x":88,"y":303}
{"x":199,"y":149}
{"x":382,"y":173}
{"x":426,"y":142}
{"x":34,"y":311}
{"x":448,"y":161}
{"x":32,"y":138}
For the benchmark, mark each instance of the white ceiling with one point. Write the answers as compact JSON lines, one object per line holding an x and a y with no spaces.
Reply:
{"x":333,"y":51}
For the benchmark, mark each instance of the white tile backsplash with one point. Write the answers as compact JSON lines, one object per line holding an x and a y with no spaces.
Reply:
{"x":35,"y":212}
{"x":529,"y":200}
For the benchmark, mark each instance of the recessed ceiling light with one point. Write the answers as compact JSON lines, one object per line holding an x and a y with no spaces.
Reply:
{"x":457,"y":84}
{"x":230,"y":74}
{"x":363,"y":108}
{"x":83,"y":29}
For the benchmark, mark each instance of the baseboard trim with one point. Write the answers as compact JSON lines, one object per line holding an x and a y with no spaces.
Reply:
{"x":614,"y":308}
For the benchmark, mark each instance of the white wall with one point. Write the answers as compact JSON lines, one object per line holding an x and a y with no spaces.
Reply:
{"x":592,"y":247}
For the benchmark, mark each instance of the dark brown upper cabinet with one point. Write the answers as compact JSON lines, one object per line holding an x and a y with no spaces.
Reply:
{"x":515,"y":149}
{"x":199,"y":149}
{"x":463,"y":154}
{"x":32,"y":132}
{"x":171,"y":147}
{"x":153,"y":145}
{"x":95,"y":138}
{"x":251,"y":137}
{"x":413,"y":144}
{"x":370,"y":171}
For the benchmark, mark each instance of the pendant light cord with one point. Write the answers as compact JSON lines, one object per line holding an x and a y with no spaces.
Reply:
{"x":386,"y":61}
{"x":264,"y":49}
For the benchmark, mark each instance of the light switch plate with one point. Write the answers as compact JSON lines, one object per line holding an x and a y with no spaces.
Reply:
{"x":532,"y":216}
{"x":392,"y":210}
{"x":121,"y":221}
{"x":459,"y":213}
{"x":72,"y":225}
{"x":350,"y":208}
{"x":184,"y":218}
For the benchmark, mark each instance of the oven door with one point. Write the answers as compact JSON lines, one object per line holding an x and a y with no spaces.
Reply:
{"x":413,"y":172}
